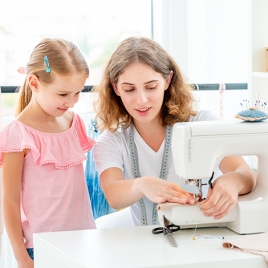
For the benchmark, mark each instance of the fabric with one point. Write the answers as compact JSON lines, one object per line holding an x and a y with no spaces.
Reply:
{"x":111,"y":150}
{"x":254,"y":244}
{"x":99,"y":204}
{"x":54,"y":195}
{"x":166,"y":206}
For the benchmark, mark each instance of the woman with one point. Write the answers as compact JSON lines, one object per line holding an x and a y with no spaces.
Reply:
{"x":142,"y":94}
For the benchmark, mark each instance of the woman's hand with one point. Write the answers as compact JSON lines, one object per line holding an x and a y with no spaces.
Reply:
{"x":222,"y":198}
{"x":160,"y":191}
{"x":238,"y":179}
{"x":121,"y":193}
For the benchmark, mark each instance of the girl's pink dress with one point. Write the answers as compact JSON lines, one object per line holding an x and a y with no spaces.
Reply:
{"x":54,"y":195}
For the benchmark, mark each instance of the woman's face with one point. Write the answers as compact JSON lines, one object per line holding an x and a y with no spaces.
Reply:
{"x":142,"y":91}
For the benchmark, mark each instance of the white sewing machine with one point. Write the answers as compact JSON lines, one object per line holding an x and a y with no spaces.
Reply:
{"x":195,"y":148}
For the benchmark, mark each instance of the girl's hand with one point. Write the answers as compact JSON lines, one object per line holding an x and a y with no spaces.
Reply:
{"x":160,"y":191}
{"x":222,"y":198}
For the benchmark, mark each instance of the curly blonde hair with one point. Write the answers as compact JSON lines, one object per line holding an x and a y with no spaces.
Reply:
{"x":178,"y":99}
{"x":64,"y":59}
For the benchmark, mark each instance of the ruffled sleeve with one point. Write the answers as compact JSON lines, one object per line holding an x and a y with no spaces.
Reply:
{"x":12,"y":139}
{"x":63,"y":149}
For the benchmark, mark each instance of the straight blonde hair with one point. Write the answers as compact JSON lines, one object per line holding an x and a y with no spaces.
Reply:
{"x":64,"y":59}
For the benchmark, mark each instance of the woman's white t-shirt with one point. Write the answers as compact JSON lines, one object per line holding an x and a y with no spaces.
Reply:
{"x":112,"y":150}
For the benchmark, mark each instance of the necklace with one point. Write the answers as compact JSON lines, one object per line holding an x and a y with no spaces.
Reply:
{"x":136,"y":170}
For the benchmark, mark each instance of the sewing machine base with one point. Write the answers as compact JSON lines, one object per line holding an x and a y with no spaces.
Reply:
{"x":188,"y":216}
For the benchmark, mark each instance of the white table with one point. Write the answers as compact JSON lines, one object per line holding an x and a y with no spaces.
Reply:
{"x":138,"y":247}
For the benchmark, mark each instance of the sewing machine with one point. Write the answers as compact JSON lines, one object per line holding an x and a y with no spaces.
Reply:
{"x":196,"y":148}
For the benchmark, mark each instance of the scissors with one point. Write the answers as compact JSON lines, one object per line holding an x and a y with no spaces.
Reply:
{"x":168,"y":231}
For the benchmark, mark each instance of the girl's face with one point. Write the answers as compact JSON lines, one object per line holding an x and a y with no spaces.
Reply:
{"x":142,"y":91}
{"x":60,"y":95}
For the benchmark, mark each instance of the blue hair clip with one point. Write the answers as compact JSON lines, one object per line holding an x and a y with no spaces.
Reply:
{"x":46,"y":64}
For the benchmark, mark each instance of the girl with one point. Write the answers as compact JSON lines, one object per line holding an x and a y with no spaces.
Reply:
{"x":141,"y":96}
{"x":42,"y":151}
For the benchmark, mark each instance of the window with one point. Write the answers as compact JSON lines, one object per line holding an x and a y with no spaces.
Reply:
{"x":218,"y":39}
{"x":95,"y":26}
{"x":210,"y":41}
